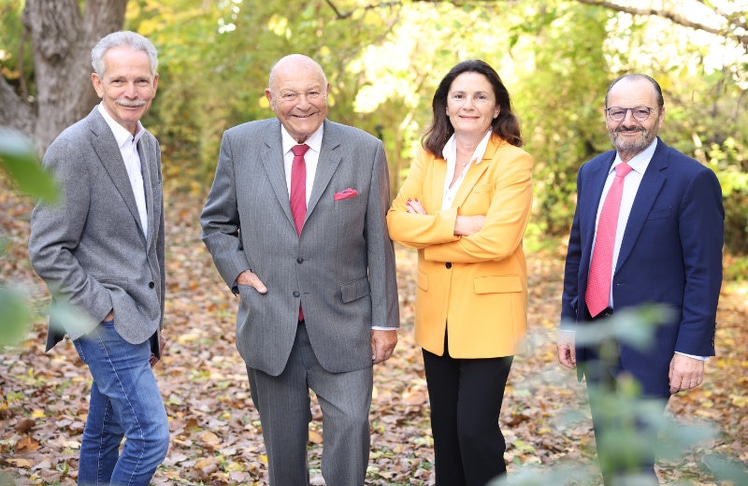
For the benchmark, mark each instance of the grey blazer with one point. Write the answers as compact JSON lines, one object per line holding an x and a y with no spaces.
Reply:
{"x":90,"y":249}
{"x":341,"y":268}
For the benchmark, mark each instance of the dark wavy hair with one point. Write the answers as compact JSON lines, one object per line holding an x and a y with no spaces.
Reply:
{"x":506,"y":125}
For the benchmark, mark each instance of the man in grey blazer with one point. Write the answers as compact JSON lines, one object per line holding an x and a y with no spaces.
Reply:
{"x":102,"y":252}
{"x":317,"y":303}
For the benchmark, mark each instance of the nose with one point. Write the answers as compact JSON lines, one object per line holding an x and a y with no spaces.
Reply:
{"x":131,"y":90}
{"x":303,"y":101}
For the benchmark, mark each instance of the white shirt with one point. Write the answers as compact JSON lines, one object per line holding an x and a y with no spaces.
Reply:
{"x":311,"y":157}
{"x":449,"y":152}
{"x":128,"y":147}
{"x":631,"y":182}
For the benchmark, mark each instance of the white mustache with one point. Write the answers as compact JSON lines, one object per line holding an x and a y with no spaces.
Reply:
{"x":132,"y":103}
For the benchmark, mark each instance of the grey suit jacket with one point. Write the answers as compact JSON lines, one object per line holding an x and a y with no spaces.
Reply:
{"x":342,"y":267}
{"x":90,"y":249}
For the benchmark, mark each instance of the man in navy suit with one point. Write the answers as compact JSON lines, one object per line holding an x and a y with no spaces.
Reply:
{"x":666,"y":250}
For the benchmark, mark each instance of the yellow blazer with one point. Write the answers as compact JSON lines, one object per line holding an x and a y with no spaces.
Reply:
{"x":476,"y":283}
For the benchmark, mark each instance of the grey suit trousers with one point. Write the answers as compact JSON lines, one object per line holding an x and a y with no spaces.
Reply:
{"x":283,"y":402}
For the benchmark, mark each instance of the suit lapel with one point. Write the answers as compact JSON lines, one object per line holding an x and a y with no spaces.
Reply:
{"x":474,"y":174}
{"x":110,"y":156}
{"x":329,"y":160}
{"x":649,"y":189}
{"x":588,"y":206}
{"x":144,"y":151}
{"x":272,"y":161}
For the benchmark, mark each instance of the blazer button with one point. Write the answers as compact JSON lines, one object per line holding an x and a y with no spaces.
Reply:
{"x":296,"y":293}
{"x":299,"y":260}
{"x":151,"y":285}
{"x":448,"y":265}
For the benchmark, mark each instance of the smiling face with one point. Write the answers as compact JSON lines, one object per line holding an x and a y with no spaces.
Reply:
{"x":631,"y":136}
{"x":471,"y":104}
{"x":127,"y":86}
{"x":298,"y":95}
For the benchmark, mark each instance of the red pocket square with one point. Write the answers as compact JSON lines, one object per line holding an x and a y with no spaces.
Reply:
{"x":345,"y":194}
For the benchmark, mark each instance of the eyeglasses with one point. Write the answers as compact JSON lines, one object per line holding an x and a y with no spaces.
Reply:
{"x":618,"y":113}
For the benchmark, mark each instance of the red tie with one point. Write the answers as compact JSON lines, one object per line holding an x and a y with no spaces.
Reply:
{"x":298,"y":185}
{"x":601,"y":267}
{"x":298,"y":193}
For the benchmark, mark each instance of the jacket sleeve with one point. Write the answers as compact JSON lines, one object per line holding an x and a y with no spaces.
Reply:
{"x":220,"y":219}
{"x":57,"y":229}
{"x":701,"y":226}
{"x":419,"y":230}
{"x":506,"y":218}
{"x":380,"y":251}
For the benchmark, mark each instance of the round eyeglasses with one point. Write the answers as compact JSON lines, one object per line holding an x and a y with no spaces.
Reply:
{"x":640,"y":113}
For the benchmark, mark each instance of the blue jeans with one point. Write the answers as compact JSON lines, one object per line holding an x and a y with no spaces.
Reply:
{"x":125,"y":403}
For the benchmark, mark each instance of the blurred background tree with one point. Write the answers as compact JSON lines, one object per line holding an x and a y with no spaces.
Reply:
{"x":384,"y":60}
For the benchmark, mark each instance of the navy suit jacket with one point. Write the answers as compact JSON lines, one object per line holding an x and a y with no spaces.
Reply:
{"x":671,"y":254}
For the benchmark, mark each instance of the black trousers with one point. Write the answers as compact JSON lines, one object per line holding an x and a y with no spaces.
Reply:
{"x":466,"y":397}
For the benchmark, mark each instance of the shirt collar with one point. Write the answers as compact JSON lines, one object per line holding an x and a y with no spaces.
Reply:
{"x":121,"y":134}
{"x":640,"y":161}
{"x":314,"y":141}
{"x":449,"y":152}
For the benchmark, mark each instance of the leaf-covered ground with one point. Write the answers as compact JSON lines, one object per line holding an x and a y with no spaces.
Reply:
{"x":216,"y":434}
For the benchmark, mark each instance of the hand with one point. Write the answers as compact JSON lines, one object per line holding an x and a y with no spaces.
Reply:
{"x":567,"y":354}
{"x":382,"y":345}
{"x":414,"y":206}
{"x":468,"y":225}
{"x":685,"y":373}
{"x":161,"y":345}
{"x":252,"y":280}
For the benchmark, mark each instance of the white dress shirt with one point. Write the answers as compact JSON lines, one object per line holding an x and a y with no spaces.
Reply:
{"x":128,"y":146}
{"x":449,"y":152}
{"x":311,"y":157}
{"x":631,"y":182}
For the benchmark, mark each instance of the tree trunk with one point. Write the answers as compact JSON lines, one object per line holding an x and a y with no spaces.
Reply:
{"x":62,"y":40}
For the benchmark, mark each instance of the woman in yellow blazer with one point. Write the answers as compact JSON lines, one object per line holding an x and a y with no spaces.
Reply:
{"x":464,"y":206}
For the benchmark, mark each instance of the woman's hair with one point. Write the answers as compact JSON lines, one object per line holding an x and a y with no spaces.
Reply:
{"x":506,"y":125}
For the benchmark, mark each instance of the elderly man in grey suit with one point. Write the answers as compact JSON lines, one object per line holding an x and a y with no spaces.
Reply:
{"x":295,"y":222}
{"x":102,"y":252}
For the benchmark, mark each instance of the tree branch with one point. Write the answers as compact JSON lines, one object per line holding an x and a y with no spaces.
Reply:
{"x":728,"y":32}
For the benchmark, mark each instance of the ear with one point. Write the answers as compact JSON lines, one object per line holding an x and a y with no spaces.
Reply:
{"x":98,"y":84}
{"x":269,"y":97}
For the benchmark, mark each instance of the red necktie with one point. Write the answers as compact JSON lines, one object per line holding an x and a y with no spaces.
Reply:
{"x":298,"y":185}
{"x":298,"y":193}
{"x":601,"y":267}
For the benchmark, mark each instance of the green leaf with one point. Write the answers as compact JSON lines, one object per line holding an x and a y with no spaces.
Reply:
{"x":16,"y":316}
{"x":18,"y":156}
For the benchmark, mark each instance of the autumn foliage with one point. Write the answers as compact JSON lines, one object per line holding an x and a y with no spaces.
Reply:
{"x":216,"y":433}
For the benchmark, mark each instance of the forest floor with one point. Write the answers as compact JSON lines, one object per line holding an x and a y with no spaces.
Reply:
{"x":215,"y":430}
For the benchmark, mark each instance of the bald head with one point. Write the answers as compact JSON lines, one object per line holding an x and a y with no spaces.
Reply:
{"x":297,"y":93}
{"x":295,"y":63}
